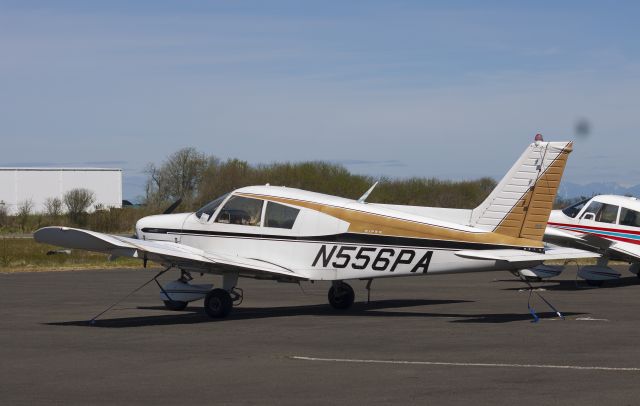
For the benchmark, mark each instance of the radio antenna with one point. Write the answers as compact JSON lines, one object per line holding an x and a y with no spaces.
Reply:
{"x":367,"y":193}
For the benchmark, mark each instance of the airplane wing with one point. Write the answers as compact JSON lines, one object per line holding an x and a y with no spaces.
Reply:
{"x":164,"y":252}
{"x":575,"y":240}
{"x":614,"y":249}
{"x":622,"y":250}
{"x":515,"y":256}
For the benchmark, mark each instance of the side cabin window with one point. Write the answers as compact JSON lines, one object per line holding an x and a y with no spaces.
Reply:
{"x":629,"y":217}
{"x":573,"y":210}
{"x":608,"y":214}
{"x":601,"y":212}
{"x":241,"y":210}
{"x":280,"y":216}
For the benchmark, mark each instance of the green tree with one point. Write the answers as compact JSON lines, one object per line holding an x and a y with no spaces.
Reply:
{"x":198,"y":178}
{"x":78,"y":201}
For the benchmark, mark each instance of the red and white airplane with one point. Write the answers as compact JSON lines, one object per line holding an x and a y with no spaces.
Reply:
{"x":605,"y":224}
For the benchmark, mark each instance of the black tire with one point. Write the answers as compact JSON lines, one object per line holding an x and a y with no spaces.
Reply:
{"x":341,"y":296}
{"x":218,"y":304}
{"x":175,"y":305}
{"x":596,"y":283}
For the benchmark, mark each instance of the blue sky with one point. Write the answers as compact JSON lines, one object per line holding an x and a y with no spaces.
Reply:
{"x":447,"y":89}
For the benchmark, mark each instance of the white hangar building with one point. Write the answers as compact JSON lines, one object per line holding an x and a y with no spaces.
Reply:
{"x":39,"y":184}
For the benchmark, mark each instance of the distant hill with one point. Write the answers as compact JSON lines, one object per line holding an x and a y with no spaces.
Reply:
{"x":570,"y":190}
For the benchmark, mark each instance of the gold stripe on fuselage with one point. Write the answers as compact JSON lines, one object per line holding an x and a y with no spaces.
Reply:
{"x":365,"y":222}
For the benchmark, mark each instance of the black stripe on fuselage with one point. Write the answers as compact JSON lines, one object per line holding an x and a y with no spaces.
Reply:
{"x":349,"y":238}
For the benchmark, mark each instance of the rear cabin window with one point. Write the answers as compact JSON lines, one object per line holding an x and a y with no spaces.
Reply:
{"x":280,"y":216}
{"x":604,"y":213}
{"x":629,"y":218}
{"x":242,"y":211}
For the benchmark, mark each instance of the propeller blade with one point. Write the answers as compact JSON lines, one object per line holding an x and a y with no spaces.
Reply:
{"x":174,"y":206}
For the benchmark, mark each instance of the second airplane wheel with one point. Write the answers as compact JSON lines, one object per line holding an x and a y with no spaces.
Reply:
{"x":341,"y":296}
{"x":593,"y":282}
{"x":218,"y":303}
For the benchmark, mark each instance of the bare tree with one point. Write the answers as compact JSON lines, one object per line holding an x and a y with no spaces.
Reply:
{"x":53,"y":206}
{"x":4,"y":213}
{"x":78,"y":202}
{"x":177,"y":177}
{"x":25,"y":208}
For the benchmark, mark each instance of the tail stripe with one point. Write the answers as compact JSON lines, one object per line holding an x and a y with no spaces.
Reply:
{"x":521,"y":203}
{"x":525,"y":220}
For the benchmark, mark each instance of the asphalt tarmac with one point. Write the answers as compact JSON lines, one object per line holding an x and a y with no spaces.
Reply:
{"x":452,"y":339}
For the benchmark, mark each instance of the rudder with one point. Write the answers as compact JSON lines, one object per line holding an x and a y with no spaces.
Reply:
{"x":521,"y":203}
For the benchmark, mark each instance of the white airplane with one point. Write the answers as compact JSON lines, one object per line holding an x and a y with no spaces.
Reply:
{"x":292,"y":235}
{"x":606,"y":224}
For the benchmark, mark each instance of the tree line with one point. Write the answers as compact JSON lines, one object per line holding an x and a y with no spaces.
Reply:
{"x":70,"y":210}
{"x":196,"y":178}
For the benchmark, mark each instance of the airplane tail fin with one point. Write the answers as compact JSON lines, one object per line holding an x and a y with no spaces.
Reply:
{"x":521,"y":203}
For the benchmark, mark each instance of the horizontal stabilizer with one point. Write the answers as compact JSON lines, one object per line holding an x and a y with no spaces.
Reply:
{"x":512,"y":255}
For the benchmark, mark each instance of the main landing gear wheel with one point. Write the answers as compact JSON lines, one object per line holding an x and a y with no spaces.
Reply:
{"x":218,"y":303}
{"x":341,"y":296}
{"x":176,"y":305}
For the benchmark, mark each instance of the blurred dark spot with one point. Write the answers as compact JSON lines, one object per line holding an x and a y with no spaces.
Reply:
{"x":582,"y":128}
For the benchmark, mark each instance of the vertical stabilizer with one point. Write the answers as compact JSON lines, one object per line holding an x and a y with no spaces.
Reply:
{"x":521,"y":203}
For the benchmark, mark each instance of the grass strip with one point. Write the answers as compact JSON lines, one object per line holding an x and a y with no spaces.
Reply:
{"x":26,"y":255}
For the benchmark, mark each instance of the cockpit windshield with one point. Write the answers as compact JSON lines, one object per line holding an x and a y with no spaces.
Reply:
{"x":207,"y":211}
{"x":573,"y":210}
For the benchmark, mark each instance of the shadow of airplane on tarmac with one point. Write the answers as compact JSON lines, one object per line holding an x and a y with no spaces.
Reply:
{"x":576,"y":284}
{"x":373,"y":309}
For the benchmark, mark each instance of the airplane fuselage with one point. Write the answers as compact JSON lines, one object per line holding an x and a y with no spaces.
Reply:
{"x":331,"y":238}
{"x":613,"y":218}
